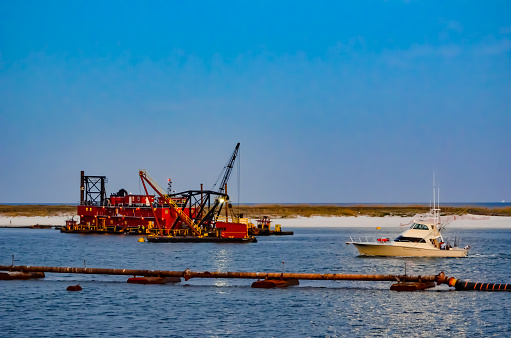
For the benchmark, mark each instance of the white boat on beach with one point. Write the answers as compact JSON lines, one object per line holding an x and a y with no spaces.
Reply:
{"x":422,"y":239}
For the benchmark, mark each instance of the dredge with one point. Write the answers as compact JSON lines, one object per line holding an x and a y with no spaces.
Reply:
{"x":188,"y":216}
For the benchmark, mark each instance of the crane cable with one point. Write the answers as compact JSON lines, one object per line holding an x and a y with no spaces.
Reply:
{"x":239,"y":171}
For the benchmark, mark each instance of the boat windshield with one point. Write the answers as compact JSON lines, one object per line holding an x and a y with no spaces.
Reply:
{"x":410,"y":239}
{"x":419,"y":226}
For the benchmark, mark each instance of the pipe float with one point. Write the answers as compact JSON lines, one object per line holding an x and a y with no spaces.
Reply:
{"x":20,"y":275}
{"x":74,"y":288}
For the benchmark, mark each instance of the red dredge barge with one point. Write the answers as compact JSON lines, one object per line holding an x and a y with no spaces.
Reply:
{"x":188,"y":216}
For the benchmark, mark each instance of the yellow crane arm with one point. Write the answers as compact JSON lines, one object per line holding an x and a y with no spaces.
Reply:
{"x":191,"y":224}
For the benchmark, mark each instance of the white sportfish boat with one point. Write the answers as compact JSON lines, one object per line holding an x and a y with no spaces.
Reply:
{"x":422,"y":239}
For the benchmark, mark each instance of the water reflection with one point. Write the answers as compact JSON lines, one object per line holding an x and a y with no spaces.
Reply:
{"x":222,"y":259}
{"x":108,"y":306}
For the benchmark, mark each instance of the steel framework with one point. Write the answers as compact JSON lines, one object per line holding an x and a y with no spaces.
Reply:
{"x":92,"y":190}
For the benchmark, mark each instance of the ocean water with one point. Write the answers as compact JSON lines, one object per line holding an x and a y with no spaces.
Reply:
{"x":108,"y":306}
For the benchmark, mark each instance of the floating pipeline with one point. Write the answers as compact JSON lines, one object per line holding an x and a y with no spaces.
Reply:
{"x":290,"y":278}
{"x":274,"y":279}
{"x":460,"y":285}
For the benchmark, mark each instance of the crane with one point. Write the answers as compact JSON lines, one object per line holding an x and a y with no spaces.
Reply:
{"x":227,"y":171}
{"x":191,"y":197}
{"x":144,"y":177}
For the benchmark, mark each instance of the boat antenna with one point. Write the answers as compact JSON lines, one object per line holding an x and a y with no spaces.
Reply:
{"x":436,"y":201}
{"x":434,"y":192}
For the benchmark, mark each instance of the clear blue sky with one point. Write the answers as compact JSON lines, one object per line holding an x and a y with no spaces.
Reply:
{"x":332,"y":101}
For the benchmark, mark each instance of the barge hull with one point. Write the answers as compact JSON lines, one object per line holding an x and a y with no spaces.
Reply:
{"x":273,"y":233}
{"x":192,"y":239}
{"x":99,"y":232}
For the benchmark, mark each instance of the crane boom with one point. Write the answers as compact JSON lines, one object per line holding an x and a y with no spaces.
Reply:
{"x":228,"y":168}
{"x":191,"y":224}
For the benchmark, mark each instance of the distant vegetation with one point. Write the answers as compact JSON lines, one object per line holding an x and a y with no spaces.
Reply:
{"x":37,"y":210}
{"x":306,"y":210}
{"x":281,"y":211}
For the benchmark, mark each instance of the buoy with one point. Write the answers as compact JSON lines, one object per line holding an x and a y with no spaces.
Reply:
{"x":74,"y":288}
{"x":141,"y":240}
{"x":378,"y":228}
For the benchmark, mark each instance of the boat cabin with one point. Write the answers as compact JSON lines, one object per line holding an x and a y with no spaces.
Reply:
{"x":419,"y":226}
{"x":421,"y":232}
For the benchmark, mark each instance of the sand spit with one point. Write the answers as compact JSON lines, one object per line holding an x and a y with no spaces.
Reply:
{"x":23,"y":221}
{"x":309,"y":222}
{"x":386,"y":222}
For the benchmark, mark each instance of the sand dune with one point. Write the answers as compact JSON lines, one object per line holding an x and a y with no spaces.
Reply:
{"x":27,"y":221}
{"x":387,"y":222}
{"x":314,"y":221}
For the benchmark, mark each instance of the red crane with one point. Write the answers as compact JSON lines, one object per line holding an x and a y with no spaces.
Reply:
{"x":145,"y":178}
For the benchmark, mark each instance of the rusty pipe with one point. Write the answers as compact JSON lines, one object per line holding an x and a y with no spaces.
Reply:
{"x":93,"y":271}
{"x":188,"y":274}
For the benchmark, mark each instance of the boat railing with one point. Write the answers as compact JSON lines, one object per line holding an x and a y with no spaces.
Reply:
{"x":364,"y":239}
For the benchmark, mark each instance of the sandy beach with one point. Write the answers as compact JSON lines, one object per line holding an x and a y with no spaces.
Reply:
{"x":468,"y":221}
{"x":23,"y":221}
{"x":389,"y":222}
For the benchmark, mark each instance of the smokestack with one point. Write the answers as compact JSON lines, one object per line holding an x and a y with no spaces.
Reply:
{"x":82,"y":187}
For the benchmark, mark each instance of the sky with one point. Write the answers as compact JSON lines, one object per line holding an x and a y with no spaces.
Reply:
{"x":332,"y":101}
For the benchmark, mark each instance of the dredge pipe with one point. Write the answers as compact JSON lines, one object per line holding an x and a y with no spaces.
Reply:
{"x":188,"y":274}
{"x":460,"y":285}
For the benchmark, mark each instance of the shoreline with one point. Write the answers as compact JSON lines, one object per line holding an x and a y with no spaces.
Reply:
{"x":26,"y":221}
{"x":467,"y":221}
{"x":286,"y":210}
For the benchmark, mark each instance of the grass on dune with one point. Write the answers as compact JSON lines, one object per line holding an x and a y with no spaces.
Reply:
{"x":282,"y":211}
{"x":36,"y":210}
{"x":303,"y":210}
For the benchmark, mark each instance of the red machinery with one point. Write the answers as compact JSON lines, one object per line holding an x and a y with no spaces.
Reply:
{"x":192,"y":213}
{"x":121,"y":213}
{"x":197,"y":216}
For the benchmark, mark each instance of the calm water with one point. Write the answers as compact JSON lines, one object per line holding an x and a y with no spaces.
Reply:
{"x":108,"y":306}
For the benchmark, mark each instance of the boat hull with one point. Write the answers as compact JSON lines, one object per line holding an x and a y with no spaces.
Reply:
{"x":369,"y":249}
